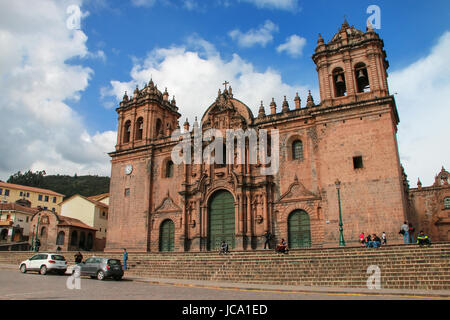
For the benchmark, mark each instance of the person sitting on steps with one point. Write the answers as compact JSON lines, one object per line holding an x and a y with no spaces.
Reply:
{"x":423,"y":239}
{"x":282,"y":247}
{"x":223,"y":247}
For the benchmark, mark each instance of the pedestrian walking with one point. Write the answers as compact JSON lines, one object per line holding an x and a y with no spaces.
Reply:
{"x":37,"y":245}
{"x":268,"y":237}
{"x":404,"y":230}
{"x":125,"y":259}
{"x":78,"y":257}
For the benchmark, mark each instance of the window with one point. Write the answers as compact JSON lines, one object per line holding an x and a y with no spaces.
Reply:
{"x":46,"y":199}
{"x":43,"y":230}
{"x":362,"y":78}
{"x":28,"y":218}
{"x":297,"y":150}
{"x":169,"y":169}
{"x":339,"y":82}
{"x":45,"y":208}
{"x":7,"y":192}
{"x":28,"y":194}
{"x":60,"y":238}
{"x":447,"y":203}
{"x":127,"y":192}
{"x":54,"y":199}
{"x":74,"y":239}
{"x":127,"y":132}
{"x":158,"y":127}
{"x":21,"y":193}
{"x":357,"y":162}
{"x":53,"y":209}
{"x":139,"y":128}
{"x":40,"y":197}
{"x":1,"y":191}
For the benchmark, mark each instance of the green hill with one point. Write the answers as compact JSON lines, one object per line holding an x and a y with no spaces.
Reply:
{"x":67,"y":185}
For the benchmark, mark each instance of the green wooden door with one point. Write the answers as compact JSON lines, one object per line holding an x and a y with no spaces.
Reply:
{"x":299,"y":230}
{"x":167,"y":236}
{"x":221,"y":220}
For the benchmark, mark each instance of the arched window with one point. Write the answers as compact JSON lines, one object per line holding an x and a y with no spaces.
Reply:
{"x":169,"y":169}
{"x":362,"y":78}
{"x":447,"y":203}
{"x":60,"y":238}
{"x":139,"y":128}
{"x":90,"y":241}
{"x":127,"y":132}
{"x":340,"y":87}
{"x":297,"y":150}
{"x":158,"y":127}
{"x":82,"y":240}
{"x":74,"y":239}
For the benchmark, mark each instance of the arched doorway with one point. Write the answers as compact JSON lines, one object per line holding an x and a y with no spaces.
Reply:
{"x":299,"y":230}
{"x":167,"y":236}
{"x":221,"y":224}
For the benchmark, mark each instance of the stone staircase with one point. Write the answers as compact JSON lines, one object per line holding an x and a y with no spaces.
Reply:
{"x":401,"y":266}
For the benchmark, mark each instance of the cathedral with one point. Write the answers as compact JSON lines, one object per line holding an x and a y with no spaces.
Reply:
{"x":339,"y":169}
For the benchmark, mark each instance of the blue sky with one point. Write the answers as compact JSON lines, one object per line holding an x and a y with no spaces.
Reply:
{"x":120,"y":43}
{"x":125,"y":31}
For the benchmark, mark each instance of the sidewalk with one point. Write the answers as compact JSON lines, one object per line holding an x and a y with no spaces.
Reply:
{"x":443,"y":294}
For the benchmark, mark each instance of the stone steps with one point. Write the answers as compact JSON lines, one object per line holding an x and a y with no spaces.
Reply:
{"x":402,"y":267}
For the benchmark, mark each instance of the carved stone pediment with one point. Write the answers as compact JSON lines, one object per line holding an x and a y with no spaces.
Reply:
{"x":167,"y":205}
{"x":297,"y":191}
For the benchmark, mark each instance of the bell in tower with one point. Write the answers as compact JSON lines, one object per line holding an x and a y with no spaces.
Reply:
{"x":352,"y":65}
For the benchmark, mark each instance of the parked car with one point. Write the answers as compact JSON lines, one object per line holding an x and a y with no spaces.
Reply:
{"x":44,"y":263}
{"x":101,"y":268}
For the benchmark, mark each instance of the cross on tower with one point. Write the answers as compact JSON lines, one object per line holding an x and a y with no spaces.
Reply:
{"x":225,"y":84}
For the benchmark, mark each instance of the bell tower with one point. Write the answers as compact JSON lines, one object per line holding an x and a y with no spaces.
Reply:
{"x":351,"y":67}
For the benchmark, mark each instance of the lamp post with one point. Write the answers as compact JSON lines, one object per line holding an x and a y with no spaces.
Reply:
{"x":36,"y":230}
{"x":341,"y":229}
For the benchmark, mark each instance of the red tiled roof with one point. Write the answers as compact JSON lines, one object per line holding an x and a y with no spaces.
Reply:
{"x":99,"y":197}
{"x":27,"y":188}
{"x":72,"y":222}
{"x":17,"y":207}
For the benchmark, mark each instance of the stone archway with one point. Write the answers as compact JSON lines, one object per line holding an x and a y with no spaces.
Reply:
{"x":221,"y":219}
{"x":299,"y":230}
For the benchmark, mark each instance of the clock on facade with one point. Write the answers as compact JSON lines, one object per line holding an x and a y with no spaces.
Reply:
{"x":128,"y":169}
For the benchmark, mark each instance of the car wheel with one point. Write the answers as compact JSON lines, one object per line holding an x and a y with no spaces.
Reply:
{"x":118,"y":278}
{"x":43,"y":270}
{"x":100,"y":275}
{"x":23,"y":268}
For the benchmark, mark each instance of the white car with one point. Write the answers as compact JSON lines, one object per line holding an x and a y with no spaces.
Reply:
{"x":45,"y":262}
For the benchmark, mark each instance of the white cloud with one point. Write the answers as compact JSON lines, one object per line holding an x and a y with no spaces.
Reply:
{"x":423,"y":103}
{"x":194,"y":77}
{"x":274,"y":4}
{"x":40,"y":131}
{"x":293,"y":46}
{"x":261,"y":36}
{"x":143,"y":3}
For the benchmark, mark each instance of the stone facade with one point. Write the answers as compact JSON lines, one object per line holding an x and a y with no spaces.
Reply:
{"x":350,"y":136}
{"x":55,"y":231}
{"x":429,"y":207}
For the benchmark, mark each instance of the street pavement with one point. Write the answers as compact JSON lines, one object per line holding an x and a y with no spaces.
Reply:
{"x":32,"y":286}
